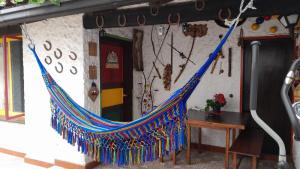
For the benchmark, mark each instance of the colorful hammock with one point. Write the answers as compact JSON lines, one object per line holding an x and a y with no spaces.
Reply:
{"x":154,"y":135}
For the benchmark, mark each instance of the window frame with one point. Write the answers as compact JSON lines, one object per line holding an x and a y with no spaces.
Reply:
{"x":9,"y":114}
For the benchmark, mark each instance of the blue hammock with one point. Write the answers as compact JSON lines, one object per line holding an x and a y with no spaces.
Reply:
{"x":156,"y":134}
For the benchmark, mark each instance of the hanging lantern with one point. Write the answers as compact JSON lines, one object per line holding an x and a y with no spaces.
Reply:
{"x":289,"y":22}
{"x":93,"y":92}
{"x":255,"y":26}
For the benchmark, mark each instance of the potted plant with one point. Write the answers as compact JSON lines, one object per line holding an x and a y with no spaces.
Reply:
{"x":215,"y":104}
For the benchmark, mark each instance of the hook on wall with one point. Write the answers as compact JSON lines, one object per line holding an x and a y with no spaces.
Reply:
{"x":59,"y":54}
{"x":61,"y":68}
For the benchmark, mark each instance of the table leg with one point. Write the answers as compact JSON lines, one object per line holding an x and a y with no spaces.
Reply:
{"x":199,"y":140}
{"x":233,"y":135}
{"x":188,"y":152}
{"x":234,"y":161}
{"x":233,"y":139}
{"x":227,"y":148}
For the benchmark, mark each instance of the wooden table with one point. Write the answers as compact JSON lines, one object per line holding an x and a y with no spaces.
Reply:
{"x":226,"y":121}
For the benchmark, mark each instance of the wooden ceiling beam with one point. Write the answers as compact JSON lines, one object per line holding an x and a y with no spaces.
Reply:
{"x":188,"y":13}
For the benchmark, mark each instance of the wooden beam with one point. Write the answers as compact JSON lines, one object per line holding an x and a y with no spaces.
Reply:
{"x":188,"y":13}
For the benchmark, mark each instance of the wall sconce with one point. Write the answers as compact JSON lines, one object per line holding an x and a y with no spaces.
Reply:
{"x":289,"y":22}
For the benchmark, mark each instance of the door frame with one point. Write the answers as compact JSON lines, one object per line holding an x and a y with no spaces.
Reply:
{"x":127,"y":70}
{"x":253,"y":38}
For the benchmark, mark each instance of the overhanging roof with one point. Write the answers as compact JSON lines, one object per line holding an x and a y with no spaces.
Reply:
{"x":31,"y":12}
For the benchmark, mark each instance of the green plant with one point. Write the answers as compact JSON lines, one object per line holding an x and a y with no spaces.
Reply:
{"x":216,"y":103}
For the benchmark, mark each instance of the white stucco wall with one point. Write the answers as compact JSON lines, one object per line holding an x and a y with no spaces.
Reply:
{"x":211,"y":83}
{"x":65,"y":33}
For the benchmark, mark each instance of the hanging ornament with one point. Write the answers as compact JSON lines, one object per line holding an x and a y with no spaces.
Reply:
{"x":259,"y":20}
{"x":267,"y":18}
{"x":93,"y":92}
{"x":255,"y":26}
{"x":273,"y":29}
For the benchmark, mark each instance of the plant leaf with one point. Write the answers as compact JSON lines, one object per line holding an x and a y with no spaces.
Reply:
{"x":55,"y":2}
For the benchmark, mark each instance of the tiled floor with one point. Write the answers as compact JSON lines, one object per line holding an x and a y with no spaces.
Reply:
{"x":199,"y":161}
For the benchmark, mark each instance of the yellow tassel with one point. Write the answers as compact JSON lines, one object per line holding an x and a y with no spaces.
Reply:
{"x":130,"y":157}
{"x":168,"y":144}
{"x":159,"y":148}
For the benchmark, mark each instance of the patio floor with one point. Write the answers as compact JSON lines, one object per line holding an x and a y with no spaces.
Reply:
{"x":205,"y":160}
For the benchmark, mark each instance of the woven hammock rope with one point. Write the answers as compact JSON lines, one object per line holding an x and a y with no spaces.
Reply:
{"x":156,"y":134}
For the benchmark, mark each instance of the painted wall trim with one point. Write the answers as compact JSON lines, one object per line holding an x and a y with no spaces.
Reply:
{"x":59,"y":163}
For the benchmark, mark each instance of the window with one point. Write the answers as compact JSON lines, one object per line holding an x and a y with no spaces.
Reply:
{"x":12,"y":83}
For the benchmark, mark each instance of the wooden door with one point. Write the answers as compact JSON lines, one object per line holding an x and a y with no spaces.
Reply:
{"x":274,"y":60}
{"x":116,"y":79}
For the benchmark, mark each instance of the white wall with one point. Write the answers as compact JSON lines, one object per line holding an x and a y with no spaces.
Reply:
{"x":211,"y":83}
{"x":65,"y":33}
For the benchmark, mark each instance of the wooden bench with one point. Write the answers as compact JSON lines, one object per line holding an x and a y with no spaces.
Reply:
{"x":249,"y":143}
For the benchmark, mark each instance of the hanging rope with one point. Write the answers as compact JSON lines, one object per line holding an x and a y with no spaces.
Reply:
{"x":27,"y":36}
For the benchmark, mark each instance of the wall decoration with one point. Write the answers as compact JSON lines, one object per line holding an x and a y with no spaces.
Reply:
{"x":112,"y":61}
{"x":59,"y":70}
{"x":146,"y":100}
{"x":58,"y":53}
{"x":156,"y":54}
{"x":73,"y":70}
{"x":47,"y":45}
{"x":172,"y":53}
{"x":259,"y":20}
{"x":92,"y":72}
{"x":176,"y":22}
{"x":194,"y":30}
{"x":215,"y":64}
{"x":74,"y":57}
{"x":199,"y":5}
{"x":221,"y":71}
{"x":229,"y":61}
{"x":273,"y":29}
{"x":182,"y":55}
{"x":267,"y":18}
{"x":139,"y":21}
{"x":93,"y":92}
{"x":157,"y":70}
{"x":255,"y":26}
{"x":224,"y":14}
{"x":122,"y":21}
{"x":167,"y":77}
{"x":137,"y":50}
{"x":183,"y":66}
{"x":92,"y":48}
{"x":48,"y":60}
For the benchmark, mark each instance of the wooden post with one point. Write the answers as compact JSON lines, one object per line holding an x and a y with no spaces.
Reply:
{"x":254,"y":162}
{"x":227,"y":148}
{"x":234,"y":161}
{"x":188,"y":152}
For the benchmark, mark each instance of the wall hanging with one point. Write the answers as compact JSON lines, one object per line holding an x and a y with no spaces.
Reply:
{"x":194,"y":30}
{"x":47,"y":45}
{"x":93,"y":92}
{"x":92,"y":48}
{"x":58,"y":53}
{"x":137,"y":49}
{"x":183,"y":66}
{"x":229,"y":61}
{"x":92,"y":72}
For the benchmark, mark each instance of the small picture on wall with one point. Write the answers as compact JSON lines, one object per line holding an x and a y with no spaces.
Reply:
{"x":112,"y":60}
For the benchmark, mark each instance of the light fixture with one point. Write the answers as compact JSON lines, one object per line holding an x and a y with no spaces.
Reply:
{"x":289,"y":22}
